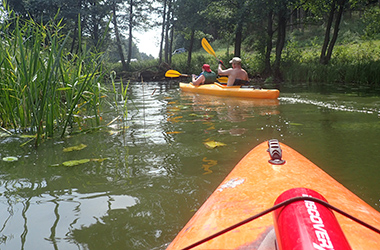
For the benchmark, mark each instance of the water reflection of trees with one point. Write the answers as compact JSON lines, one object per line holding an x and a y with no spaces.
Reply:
{"x":158,"y":157}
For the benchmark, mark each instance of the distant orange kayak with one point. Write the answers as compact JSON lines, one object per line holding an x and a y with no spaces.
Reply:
{"x":232,"y":91}
{"x":258,"y":182}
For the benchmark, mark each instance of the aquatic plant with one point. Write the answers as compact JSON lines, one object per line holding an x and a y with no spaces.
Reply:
{"x":42,"y":86}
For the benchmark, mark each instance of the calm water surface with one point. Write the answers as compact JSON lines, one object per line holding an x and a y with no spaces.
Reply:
{"x":159,"y":172}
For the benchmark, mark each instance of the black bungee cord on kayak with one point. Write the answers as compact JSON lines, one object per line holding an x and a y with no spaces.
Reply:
{"x":284,"y":203}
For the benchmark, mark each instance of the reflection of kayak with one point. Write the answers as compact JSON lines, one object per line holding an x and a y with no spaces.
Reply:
{"x":233,"y":91}
{"x":255,"y":184}
{"x":211,"y":100}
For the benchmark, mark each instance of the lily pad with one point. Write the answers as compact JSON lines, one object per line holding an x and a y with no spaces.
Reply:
{"x":74,"y":148}
{"x":10,"y":159}
{"x":75,"y":162}
{"x":213,"y":144}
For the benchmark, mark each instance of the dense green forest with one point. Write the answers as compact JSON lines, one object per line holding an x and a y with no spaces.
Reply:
{"x":55,"y":56}
{"x":273,"y":36}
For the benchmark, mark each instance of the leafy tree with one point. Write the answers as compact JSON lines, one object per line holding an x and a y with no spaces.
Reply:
{"x":133,"y":15}
{"x":165,"y":20}
{"x":231,"y":16}
{"x":270,"y":24}
{"x":119,"y":46}
{"x":334,"y":10}
{"x":371,"y":19}
{"x":189,"y":20}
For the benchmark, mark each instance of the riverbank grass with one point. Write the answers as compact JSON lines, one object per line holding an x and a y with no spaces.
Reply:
{"x":43,"y":87}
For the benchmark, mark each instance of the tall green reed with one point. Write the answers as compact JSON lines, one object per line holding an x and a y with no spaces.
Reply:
{"x":42,"y":87}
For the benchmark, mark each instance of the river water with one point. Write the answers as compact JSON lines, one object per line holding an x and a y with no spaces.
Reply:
{"x":154,"y":170}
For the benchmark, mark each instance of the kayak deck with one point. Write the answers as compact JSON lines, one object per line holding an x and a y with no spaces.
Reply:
{"x":253,"y":186}
{"x":231,"y":91}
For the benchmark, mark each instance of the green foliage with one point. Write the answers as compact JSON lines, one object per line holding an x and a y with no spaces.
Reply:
{"x":179,"y":62}
{"x":355,"y":63}
{"x":42,"y":87}
{"x":371,"y":19}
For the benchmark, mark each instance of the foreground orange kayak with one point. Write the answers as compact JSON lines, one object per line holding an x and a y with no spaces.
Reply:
{"x":232,"y":91}
{"x":262,"y":179}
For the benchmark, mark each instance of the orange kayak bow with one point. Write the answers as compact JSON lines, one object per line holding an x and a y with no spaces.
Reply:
{"x":255,"y":184}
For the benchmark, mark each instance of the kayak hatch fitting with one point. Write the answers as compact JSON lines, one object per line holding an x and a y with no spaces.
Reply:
{"x":275,"y":152}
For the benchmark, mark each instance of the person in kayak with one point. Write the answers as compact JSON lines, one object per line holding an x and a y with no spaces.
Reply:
{"x":236,"y":75}
{"x":207,"y":76}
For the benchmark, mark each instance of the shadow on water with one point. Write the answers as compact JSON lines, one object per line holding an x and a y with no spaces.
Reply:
{"x":159,"y":171}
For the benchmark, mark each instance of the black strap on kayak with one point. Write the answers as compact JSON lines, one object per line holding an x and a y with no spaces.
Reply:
{"x":284,"y":203}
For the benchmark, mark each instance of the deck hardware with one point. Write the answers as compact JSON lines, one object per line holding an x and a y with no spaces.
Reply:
{"x":275,"y":152}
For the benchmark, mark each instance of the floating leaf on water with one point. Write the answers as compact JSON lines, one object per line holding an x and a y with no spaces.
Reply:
{"x":75,"y":162}
{"x":10,"y":158}
{"x":174,"y":132}
{"x":213,"y":144}
{"x":28,"y":136}
{"x":175,"y":119}
{"x":210,"y":163}
{"x":114,"y":132}
{"x":237,"y":131}
{"x":99,"y":160}
{"x":207,"y":116}
{"x":74,"y":148}
{"x":201,"y":116}
{"x":295,"y":124}
{"x":173,"y":109}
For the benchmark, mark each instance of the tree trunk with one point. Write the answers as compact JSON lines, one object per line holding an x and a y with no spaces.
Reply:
{"x":162,"y":33}
{"x":167,"y":32}
{"x":75,"y":36}
{"x":171,"y":36}
{"x":95,"y":26}
{"x":323,"y":59}
{"x":117,"y":35}
{"x":130,"y":37}
{"x":238,"y":38}
{"x":280,"y":43}
{"x":336,"y":29}
{"x":190,"y":47}
{"x":269,"y":45}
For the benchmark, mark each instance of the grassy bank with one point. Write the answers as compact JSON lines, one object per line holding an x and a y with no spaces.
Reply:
{"x":355,"y":63}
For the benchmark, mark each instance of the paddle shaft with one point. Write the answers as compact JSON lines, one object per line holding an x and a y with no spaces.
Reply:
{"x":206,"y":46}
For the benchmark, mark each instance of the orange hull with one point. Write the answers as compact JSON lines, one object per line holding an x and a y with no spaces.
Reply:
{"x":233,"y":91}
{"x":253,"y":186}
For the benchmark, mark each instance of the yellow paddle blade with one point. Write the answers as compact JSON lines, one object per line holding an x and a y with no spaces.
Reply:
{"x":223,"y":79}
{"x":206,"y":46}
{"x":172,"y":73}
